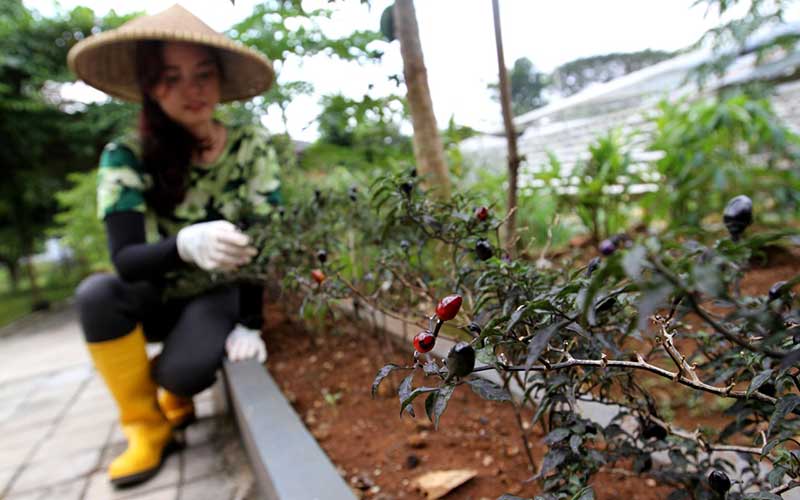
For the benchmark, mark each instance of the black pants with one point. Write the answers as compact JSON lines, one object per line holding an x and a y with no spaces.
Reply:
{"x":193,"y":330}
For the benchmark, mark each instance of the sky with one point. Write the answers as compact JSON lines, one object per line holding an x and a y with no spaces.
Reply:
{"x":458,"y":44}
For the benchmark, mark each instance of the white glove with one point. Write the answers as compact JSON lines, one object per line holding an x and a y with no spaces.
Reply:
{"x":245,"y":343}
{"x":215,"y":245}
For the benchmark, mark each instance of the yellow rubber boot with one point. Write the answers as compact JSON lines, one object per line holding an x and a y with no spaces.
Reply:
{"x":124,"y":366}
{"x":178,"y":409}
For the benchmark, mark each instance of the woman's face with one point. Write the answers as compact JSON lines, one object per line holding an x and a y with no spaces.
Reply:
{"x":188,"y":90}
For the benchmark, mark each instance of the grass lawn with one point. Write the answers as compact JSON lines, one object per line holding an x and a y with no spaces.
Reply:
{"x":55,"y":282}
{"x":16,"y":305}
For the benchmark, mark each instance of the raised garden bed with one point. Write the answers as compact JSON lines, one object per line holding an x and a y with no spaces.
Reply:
{"x":327,"y":378}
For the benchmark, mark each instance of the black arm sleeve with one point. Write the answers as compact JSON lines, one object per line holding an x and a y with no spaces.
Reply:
{"x":137,"y":260}
{"x":134,"y":258}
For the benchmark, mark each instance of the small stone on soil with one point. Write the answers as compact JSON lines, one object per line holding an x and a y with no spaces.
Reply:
{"x":416,"y":441}
{"x":361,"y":482}
{"x":424,"y":424}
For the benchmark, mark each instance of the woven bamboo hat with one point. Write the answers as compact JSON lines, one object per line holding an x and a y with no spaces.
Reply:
{"x":107,"y":61}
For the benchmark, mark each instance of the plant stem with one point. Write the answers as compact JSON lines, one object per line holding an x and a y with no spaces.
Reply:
{"x":522,"y":433}
{"x":639,"y":365}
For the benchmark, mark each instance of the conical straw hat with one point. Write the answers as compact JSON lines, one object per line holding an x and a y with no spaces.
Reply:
{"x":107,"y":61}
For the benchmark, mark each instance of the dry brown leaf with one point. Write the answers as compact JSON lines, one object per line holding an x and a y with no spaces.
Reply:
{"x":437,"y":484}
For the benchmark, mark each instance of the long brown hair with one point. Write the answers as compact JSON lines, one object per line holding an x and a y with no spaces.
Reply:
{"x":167,"y":146}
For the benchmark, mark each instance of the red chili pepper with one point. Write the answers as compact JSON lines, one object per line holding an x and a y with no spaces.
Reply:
{"x":424,"y":341}
{"x":318,"y":276}
{"x":448,"y":307}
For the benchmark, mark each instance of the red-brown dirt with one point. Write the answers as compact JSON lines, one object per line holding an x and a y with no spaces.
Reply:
{"x":380,"y":454}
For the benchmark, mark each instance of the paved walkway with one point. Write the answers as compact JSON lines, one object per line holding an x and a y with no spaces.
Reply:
{"x":58,"y":428}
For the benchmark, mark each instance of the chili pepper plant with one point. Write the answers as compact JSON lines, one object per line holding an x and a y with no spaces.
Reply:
{"x":584,"y":330}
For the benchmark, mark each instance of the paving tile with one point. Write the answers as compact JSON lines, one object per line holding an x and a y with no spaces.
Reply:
{"x":167,"y":479}
{"x":14,"y":456}
{"x":170,"y":473}
{"x":5,"y":476}
{"x":206,"y":408}
{"x":206,"y":395}
{"x":66,"y":440}
{"x":93,"y":392}
{"x":202,"y":431}
{"x":112,"y":450}
{"x":56,"y":470}
{"x":38,"y":411}
{"x":202,"y":461}
{"x":210,"y":488}
{"x":21,"y":422}
{"x":70,"y":378}
{"x":47,"y":405}
{"x":58,"y":426}
{"x":99,"y":403}
{"x":163,"y":494}
{"x":72,"y":490}
{"x":99,"y":412}
{"x":19,"y":389}
{"x":24,"y":436}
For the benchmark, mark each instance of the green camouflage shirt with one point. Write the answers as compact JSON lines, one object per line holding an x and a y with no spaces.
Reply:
{"x":242,"y":182}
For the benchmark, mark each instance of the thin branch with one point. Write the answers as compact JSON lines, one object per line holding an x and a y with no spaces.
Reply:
{"x":786,"y":487}
{"x":697,"y":437}
{"x":370,"y":303}
{"x":690,"y":294}
{"x":680,"y":361}
{"x":641,"y":364}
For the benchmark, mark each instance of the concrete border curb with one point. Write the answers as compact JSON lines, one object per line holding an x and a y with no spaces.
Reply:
{"x":288,"y":463}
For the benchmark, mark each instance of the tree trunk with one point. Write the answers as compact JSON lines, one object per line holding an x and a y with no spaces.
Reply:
{"x":511,"y":135}
{"x":13,"y":273}
{"x":428,"y":148}
{"x":36,"y":294}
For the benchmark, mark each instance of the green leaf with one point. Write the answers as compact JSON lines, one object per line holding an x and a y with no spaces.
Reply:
{"x":708,"y":279}
{"x":488,"y":390}
{"x":775,"y":476}
{"x":677,"y":458}
{"x":404,"y":392}
{"x":539,"y":342}
{"x":486,"y":355}
{"x":382,"y":374}
{"x":556,"y":436}
{"x":586,"y":493}
{"x":515,"y":317}
{"x":553,"y":459}
{"x":406,"y":402}
{"x":762,"y":495}
{"x":437,"y":403}
{"x":651,"y":301}
{"x":772,"y":443}
{"x":575,"y":442}
{"x":784,"y":406}
{"x":430,"y":368}
{"x":634,"y":261}
{"x":758,"y":381}
{"x":679,"y":495}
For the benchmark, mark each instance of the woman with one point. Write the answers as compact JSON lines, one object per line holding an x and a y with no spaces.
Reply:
{"x":194,"y":178}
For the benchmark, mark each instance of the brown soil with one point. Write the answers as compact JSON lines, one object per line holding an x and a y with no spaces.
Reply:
{"x":374,"y":448}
